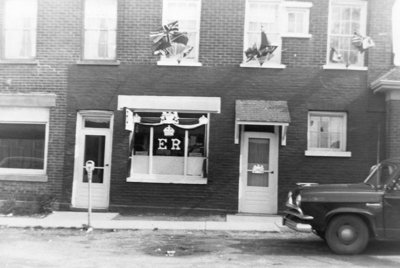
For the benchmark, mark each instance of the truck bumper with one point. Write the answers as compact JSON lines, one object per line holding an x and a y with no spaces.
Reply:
{"x":296,"y":224}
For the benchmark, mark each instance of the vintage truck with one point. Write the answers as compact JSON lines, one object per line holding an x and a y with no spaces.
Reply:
{"x":348,"y":216}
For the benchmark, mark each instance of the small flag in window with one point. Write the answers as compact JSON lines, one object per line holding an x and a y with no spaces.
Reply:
{"x":362,"y":43}
{"x":170,"y":42}
{"x":263,"y":53}
{"x":335,"y":56}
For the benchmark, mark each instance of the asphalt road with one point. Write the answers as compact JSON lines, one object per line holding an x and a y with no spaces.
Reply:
{"x":159,"y":248}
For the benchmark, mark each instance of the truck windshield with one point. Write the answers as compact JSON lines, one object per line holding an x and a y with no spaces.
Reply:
{"x":380,"y":175}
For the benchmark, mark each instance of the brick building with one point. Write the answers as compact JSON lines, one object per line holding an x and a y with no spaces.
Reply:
{"x":210,"y":131}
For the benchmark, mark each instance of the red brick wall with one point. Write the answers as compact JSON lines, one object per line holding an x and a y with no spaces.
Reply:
{"x":303,"y":84}
{"x":58,"y":45}
{"x":393,"y":128}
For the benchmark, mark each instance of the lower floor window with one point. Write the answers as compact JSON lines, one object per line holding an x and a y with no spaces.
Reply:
{"x":22,"y":146}
{"x":169,"y":148}
{"x":327,"y":133}
{"x":23,"y":140}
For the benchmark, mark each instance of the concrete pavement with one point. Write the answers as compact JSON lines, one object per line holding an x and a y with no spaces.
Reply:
{"x":68,"y":219}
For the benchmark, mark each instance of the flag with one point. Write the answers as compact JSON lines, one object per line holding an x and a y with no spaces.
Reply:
{"x":170,"y":42}
{"x":362,"y":43}
{"x":335,"y":56}
{"x":263,"y":52}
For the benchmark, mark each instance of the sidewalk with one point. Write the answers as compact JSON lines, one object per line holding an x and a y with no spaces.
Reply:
{"x":68,"y":219}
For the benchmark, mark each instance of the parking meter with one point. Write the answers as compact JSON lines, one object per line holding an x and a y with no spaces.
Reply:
{"x":89,"y":169}
{"x":89,"y":166}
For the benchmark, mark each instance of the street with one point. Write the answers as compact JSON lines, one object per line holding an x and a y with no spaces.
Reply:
{"x":36,"y":247}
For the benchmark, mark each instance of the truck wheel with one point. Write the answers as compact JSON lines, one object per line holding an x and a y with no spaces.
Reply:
{"x":347,"y":234}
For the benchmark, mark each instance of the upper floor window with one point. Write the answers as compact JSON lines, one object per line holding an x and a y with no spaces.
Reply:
{"x":297,"y":19}
{"x":187,"y":13}
{"x":345,"y":19}
{"x":267,"y":21}
{"x":100,"y":30}
{"x":262,"y":29}
{"x":19,"y":30}
{"x":327,"y":134}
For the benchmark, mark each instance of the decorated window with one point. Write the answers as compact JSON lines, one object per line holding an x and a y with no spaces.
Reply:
{"x":19,"y":30}
{"x":297,"y":19}
{"x":100,"y":28}
{"x":183,"y":16}
{"x":169,"y":148}
{"x":327,"y":133}
{"x":177,"y":41}
{"x":23,"y":140}
{"x":262,"y":40}
{"x":346,"y":33}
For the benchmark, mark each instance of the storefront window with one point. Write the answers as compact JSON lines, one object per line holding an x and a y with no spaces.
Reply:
{"x":163,"y":149}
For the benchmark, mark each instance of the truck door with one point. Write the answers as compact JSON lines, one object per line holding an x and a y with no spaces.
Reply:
{"x":391,"y":210}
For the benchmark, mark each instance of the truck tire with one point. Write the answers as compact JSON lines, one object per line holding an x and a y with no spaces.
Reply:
{"x":347,"y":234}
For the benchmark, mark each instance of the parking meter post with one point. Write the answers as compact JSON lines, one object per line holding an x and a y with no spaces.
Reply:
{"x":90,"y":174}
{"x":89,"y":169}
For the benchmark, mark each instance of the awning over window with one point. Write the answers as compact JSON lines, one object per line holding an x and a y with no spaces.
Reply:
{"x":170,"y":103}
{"x":262,"y":112}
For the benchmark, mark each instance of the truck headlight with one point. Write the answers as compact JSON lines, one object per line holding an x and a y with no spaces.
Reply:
{"x":298,"y":200}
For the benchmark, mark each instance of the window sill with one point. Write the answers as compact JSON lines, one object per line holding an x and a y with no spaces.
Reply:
{"x":264,"y":66}
{"x":294,"y":35}
{"x":174,"y":179}
{"x":98,"y":62}
{"x":343,"y":67}
{"x":24,"y":177}
{"x":182,"y":63}
{"x":20,"y":62}
{"x":327,"y":153}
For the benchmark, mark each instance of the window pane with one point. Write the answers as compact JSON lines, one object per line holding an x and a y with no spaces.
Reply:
{"x":94,"y":150}
{"x":20,"y":29}
{"x":100,"y":29}
{"x":167,"y":152}
{"x":345,"y":20}
{"x":97,"y":123}
{"x":22,"y":146}
{"x":258,"y":154}
{"x":291,"y":22}
{"x":326,"y":131}
{"x":263,"y":17}
{"x":187,"y":15}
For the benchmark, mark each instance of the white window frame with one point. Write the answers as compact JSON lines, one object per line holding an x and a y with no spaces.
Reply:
{"x":278,"y":52}
{"x":302,"y":8}
{"x":167,"y":19}
{"x":328,"y":152}
{"x":26,"y":115}
{"x":31,"y":29}
{"x":363,"y":29}
{"x":111,"y":44}
{"x":150,"y":177}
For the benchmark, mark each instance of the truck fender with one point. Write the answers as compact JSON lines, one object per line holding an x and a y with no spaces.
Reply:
{"x":365,"y":214}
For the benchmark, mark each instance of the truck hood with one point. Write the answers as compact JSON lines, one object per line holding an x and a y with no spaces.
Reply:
{"x":359,"y":192}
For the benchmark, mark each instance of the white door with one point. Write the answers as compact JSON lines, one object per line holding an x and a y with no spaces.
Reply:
{"x":258,"y":190}
{"x":93,"y":142}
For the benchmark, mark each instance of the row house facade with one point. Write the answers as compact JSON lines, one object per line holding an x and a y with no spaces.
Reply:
{"x":210,"y":128}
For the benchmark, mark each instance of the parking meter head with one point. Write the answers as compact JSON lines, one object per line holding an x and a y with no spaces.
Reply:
{"x":89,"y":166}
